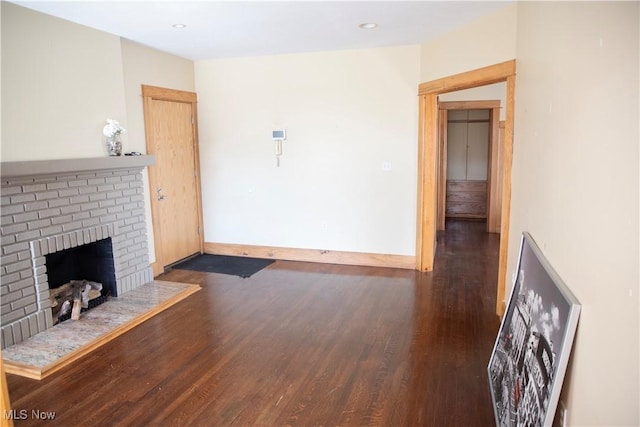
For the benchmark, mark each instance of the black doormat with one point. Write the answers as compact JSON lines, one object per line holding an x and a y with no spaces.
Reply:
{"x":223,"y":264}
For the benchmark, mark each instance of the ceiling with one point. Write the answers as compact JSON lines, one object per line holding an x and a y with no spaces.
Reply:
{"x":222,"y":29}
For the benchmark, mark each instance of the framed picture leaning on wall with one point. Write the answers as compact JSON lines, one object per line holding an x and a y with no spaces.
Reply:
{"x":530,"y":356}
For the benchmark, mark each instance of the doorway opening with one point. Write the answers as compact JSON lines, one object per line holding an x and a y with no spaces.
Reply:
{"x":429,"y":167}
{"x":469,"y":162}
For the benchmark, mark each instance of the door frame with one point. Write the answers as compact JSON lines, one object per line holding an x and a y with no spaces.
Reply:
{"x":150,"y":93}
{"x":493,"y":201}
{"x":428,"y":161}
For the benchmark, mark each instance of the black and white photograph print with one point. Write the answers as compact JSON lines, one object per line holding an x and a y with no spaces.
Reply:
{"x":530,"y":356}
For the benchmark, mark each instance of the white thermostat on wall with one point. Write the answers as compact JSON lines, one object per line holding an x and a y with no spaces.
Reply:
{"x":279,"y":135}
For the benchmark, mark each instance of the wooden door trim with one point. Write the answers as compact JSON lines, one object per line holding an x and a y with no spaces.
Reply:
{"x":150,"y":93}
{"x":469,"y":105}
{"x":427,"y":181}
{"x":507,"y":159}
{"x":164,"y":94}
{"x":443,"y":118}
{"x":494,"y":199}
{"x":469,"y":79}
{"x":427,"y":161}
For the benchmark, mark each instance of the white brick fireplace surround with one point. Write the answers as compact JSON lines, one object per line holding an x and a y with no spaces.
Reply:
{"x":49,"y":206}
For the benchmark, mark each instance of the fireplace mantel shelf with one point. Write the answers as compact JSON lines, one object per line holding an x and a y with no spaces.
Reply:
{"x":48,"y":167}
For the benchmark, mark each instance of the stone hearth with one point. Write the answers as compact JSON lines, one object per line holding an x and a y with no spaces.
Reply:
{"x":49,"y":206}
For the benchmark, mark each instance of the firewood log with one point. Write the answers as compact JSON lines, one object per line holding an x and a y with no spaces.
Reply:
{"x":85,"y":295}
{"x":94,"y":285}
{"x":64,"y":309}
{"x":61,"y":290}
{"x":94,"y":293}
{"x":77,"y":300}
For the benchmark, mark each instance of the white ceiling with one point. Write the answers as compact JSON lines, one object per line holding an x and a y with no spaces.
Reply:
{"x":219,"y":29}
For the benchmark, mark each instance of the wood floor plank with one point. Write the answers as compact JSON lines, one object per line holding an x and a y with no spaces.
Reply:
{"x":298,"y":344}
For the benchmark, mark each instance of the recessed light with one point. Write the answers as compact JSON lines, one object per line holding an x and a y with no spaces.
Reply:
{"x":179,"y":25}
{"x":368,"y":25}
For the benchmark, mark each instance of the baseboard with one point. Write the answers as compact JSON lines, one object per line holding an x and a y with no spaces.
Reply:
{"x":312,"y":255}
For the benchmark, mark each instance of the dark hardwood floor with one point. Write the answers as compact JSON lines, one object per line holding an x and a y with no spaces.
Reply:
{"x":298,"y":344}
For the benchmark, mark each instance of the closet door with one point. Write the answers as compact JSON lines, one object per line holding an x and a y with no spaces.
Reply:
{"x":467,"y":162}
{"x":456,"y":149}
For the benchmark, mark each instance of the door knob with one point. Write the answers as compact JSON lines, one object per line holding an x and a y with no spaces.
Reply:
{"x":159,"y":195}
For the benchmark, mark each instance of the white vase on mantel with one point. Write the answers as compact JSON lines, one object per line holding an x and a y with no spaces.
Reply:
{"x":114,"y":145}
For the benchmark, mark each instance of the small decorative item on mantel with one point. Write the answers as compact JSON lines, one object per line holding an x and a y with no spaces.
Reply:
{"x":112,"y":130}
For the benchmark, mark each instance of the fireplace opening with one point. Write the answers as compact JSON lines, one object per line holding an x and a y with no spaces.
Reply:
{"x":88,"y":264}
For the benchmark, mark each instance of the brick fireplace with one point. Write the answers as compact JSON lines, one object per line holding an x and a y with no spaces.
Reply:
{"x":51,"y":206}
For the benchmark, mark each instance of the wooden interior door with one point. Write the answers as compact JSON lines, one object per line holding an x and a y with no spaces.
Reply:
{"x":171,"y":133}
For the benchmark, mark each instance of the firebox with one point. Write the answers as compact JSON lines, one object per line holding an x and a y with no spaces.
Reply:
{"x":92,"y":262}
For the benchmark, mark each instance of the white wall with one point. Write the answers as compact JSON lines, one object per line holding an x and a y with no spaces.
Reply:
{"x":345,"y":113}
{"x":575,"y":187}
{"x":497,"y":91}
{"x":60,"y":82}
{"x":486,"y":41}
